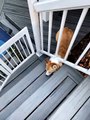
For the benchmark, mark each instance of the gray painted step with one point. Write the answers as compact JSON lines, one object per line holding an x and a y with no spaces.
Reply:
{"x":73,"y":103}
{"x":30,"y":89}
{"x":48,"y":88}
{"x":84,"y":112}
{"x":24,"y":66}
{"x":31,"y":65}
{"x":21,"y":85}
{"x":53,"y":100}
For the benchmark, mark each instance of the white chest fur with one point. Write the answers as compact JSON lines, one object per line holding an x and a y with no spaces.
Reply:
{"x":55,"y":60}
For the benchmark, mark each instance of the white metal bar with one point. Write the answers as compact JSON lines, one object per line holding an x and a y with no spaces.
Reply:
{"x":41,"y":30}
{"x":61,"y":30}
{"x":8,"y":61}
{"x":26,"y":45}
{"x":11,"y":57}
{"x":45,"y":16}
{"x":22,"y":48}
{"x":15,"y":54}
{"x":2,"y":76}
{"x":24,"y":61}
{"x":84,"y":52}
{"x":4,"y":82}
{"x":82,"y":17}
{"x":15,"y":38}
{"x":5,"y":48}
{"x":50,"y":29}
{"x":59,"y":5}
{"x":19,"y":51}
{"x":4,"y":70}
{"x":35,"y":23}
{"x":84,"y":70}
{"x":1,"y":81}
{"x":29,"y":40}
{"x":7,"y":70}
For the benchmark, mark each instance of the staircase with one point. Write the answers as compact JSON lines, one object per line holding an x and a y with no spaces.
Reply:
{"x":28,"y":94}
{"x":34,"y":96}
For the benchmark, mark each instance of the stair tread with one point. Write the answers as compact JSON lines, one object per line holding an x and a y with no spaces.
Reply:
{"x":20,"y":82}
{"x":73,"y":103}
{"x":53,"y":100}
{"x":44,"y":92}
{"x":84,"y":112}
{"x":23,"y":96}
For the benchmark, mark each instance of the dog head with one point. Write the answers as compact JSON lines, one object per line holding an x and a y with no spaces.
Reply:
{"x":52,"y":65}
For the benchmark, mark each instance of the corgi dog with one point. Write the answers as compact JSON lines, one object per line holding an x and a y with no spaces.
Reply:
{"x":53,"y":64}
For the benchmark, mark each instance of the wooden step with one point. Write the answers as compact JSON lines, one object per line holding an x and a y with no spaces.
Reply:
{"x":76,"y":106}
{"x":53,"y":91}
{"x":24,"y":81}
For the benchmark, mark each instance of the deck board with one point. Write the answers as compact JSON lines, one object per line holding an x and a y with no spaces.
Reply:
{"x":73,"y":103}
{"x":56,"y":98}
{"x":21,"y":85}
{"x":36,"y":91}
{"x":23,"y":96}
{"x":1,"y":5}
{"x":30,"y":65}
{"x":84,"y":112}
{"x":32,"y":103}
{"x":16,"y":8}
{"x":21,"y":3}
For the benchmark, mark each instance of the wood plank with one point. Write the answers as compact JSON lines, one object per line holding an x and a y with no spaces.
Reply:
{"x":21,"y":3}
{"x":16,"y":80}
{"x":24,"y":66}
{"x":73,"y":103}
{"x":40,"y":95}
{"x":53,"y":100}
{"x":30,"y":64}
{"x":1,"y":5}
{"x":23,"y":96}
{"x":20,"y":22}
{"x":21,"y":85}
{"x":84,"y":112}
{"x":15,"y":9}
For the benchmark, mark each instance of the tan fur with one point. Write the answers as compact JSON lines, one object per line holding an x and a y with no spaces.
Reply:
{"x":51,"y":67}
{"x":65,"y":41}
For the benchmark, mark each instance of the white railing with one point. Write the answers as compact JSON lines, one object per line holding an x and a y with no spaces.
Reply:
{"x":65,"y":6}
{"x":13,"y":54}
{"x":59,"y":5}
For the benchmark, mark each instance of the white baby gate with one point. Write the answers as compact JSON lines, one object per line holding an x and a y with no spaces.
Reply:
{"x":36,"y":8}
{"x":13,"y":54}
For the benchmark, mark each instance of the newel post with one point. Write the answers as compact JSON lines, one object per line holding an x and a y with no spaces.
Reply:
{"x":35,"y":23}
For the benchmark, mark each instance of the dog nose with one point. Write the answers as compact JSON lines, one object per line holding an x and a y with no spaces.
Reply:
{"x":48,"y":73}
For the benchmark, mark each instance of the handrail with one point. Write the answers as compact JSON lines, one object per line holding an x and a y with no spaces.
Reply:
{"x":55,"y":5}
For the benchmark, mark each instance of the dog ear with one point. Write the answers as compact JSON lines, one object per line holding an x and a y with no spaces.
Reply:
{"x":46,"y":60}
{"x":54,"y":66}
